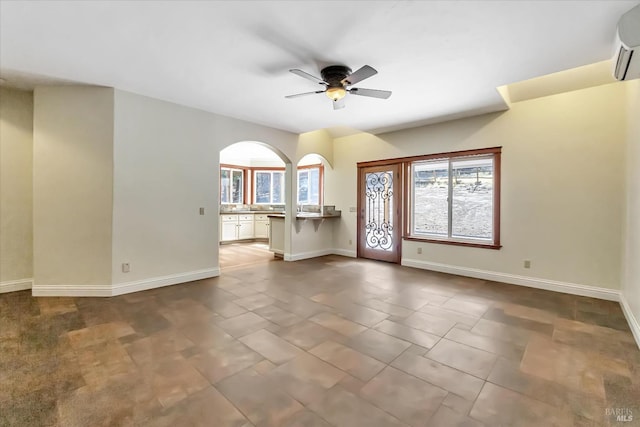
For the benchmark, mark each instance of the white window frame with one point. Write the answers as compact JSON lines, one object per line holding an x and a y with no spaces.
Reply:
{"x":307,"y":170}
{"x":230,"y":186}
{"x":255,"y":173}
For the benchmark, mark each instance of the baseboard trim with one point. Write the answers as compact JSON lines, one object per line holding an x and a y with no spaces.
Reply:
{"x":71,"y":291}
{"x":319,"y":253}
{"x":307,"y":255}
{"x":15,"y":285}
{"x":345,"y":252}
{"x":159,"y":282}
{"x":632,"y":320}
{"x":532,"y":282}
{"x":122,"y":288}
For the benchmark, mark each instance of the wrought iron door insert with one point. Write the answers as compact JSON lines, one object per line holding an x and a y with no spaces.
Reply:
{"x":379,"y":210}
{"x":379,"y":200}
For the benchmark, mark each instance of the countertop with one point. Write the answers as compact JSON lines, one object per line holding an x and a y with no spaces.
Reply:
{"x":246,"y":211}
{"x":309,"y":215}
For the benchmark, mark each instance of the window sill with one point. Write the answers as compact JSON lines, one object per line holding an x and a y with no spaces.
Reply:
{"x":454,"y":242}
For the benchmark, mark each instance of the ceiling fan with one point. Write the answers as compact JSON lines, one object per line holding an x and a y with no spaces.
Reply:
{"x":337,"y":80}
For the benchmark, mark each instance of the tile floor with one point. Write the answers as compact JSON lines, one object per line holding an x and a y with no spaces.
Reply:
{"x":325,"y":342}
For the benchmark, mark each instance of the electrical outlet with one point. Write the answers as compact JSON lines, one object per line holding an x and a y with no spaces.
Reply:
{"x":125,"y":267}
{"x":419,"y":251}
{"x":527,"y":263}
{"x":201,"y":211}
{"x":350,"y":242}
{"x":352,"y":209}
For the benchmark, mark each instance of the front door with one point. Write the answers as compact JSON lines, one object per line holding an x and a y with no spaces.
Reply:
{"x":379,"y":189}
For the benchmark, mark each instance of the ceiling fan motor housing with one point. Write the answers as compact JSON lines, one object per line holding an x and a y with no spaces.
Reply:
{"x":334,"y":74}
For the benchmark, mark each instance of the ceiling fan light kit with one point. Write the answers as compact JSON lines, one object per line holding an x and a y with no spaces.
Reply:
{"x":336,"y":93}
{"x":337,"y":79}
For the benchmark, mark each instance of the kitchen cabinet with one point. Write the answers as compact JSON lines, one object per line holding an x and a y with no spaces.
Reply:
{"x":236,"y":227}
{"x":245,"y":226}
{"x":228,"y":231}
{"x":260,"y":226}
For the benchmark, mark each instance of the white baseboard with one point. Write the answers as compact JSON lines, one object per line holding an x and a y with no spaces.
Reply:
{"x":122,"y":288}
{"x":158,"y":282}
{"x":532,"y":282}
{"x":318,"y":253}
{"x":307,"y":255}
{"x":632,"y":320}
{"x":345,"y":252}
{"x":71,"y":290}
{"x":15,"y":285}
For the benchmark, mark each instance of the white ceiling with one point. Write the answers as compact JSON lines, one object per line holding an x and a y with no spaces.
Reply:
{"x":441,"y":59}
{"x":241,"y":152}
{"x":249,"y":153}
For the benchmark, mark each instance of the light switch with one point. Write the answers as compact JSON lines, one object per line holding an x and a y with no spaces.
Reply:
{"x":201,"y":211}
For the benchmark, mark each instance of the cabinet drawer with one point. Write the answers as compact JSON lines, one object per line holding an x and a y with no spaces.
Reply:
{"x":229,"y":218}
{"x":260,"y":217}
{"x":245,"y":217}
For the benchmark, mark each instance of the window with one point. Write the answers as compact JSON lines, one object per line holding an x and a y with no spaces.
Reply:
{"x":231,"y":185}
{"x":310,"y":185}
{"x":268,"y":186}
{"x":454,"y":198}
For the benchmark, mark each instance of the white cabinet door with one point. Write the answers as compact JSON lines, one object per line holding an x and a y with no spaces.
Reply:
{"x":261,"y":226}
{"x":228,"y":230}
{"x":245,"y":229}
{"x":261,"y":229}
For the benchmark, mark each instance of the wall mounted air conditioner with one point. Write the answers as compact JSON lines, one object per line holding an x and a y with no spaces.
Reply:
{"x":626,"y":60}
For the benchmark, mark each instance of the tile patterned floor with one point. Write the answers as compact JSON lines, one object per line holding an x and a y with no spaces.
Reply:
{"x":325,"y":342}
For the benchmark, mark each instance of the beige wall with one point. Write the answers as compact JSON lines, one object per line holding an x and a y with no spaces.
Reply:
{"x":166,"y":168}
{"x":72,"y":187}
{"x":311,"y":238}
{"x":16,"y":194}
{"x":631,"y":259}
{"x":120,"y":177}
{"x":164,"y":171}
{"x":315,"y":142}
{"x":314,"y":238}
{"x":561,"y":185}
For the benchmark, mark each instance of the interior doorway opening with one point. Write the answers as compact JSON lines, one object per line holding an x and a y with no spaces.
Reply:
{"x":253,"y":177}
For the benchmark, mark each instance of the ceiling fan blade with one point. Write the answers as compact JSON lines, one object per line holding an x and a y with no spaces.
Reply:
{"x":363,"y":73}
{"x":374,"y":93}
{"x":339,"y":104}
{"x":297,"y":95}
{"x":308,"y":76}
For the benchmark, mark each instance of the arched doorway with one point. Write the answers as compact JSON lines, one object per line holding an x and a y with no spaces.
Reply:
{"x":253,"y":185}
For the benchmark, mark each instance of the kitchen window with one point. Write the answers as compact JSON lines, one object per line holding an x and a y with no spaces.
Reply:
{"x":310,"y":185}
{"x":268,"y":186}
{"x":231,"y":185}
{"x":455,"y":198}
